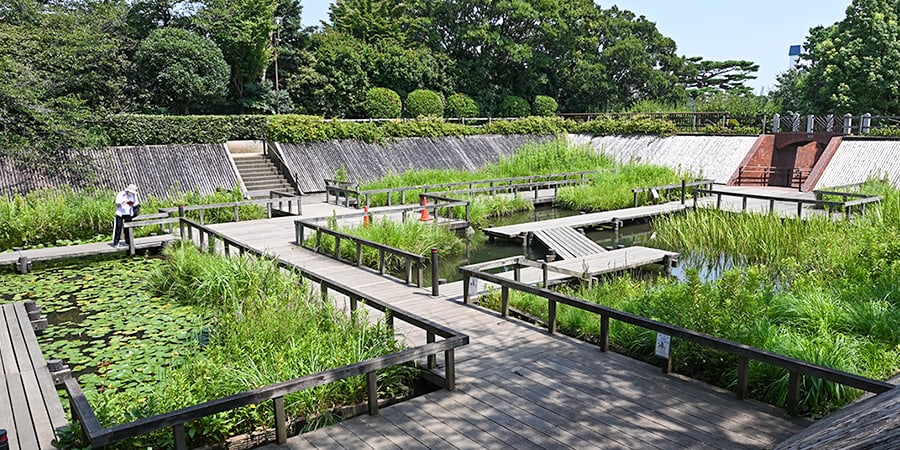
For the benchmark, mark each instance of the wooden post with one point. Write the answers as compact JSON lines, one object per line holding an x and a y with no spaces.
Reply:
{"x":604,"y":333}
{"x":323,"y":291}
{"x":799,"y":210}
{"x":635,"y":198}
{"x":683,"y":190}
{"x":432,"y":358}
{"x":318,"y":240}
{"x":450,"y":369}
{"x":337,"y":247}
{"x":381,"y":261}
{"x":280,"y":420}
{"x":744,"y":204}
{"x":420,"y":274}
{"x":466,"y":278}
{"x":718,"y":201}
{"x":742,"y":373}
{"x":372,"y":391}
{"x":180,"y":439}
{"x":237,"y":217}
{"x":793,"y":396}
{"x":202,"y":217}
{"x":181,"y":220}
{"x":354,"y":302}
{"x":771,"y":206}
{"x":435,"y":284}
{"x":408,"y":271}
{"x":517,"y":273}
{"x":504,"y":301}
{"x":551,"y":316}
{"x":298,"y":233}
{"x":546,"y":271}
{"x":358,"y":254}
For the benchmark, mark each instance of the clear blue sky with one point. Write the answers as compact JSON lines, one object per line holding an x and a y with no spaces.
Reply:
{"x":760,"y":31}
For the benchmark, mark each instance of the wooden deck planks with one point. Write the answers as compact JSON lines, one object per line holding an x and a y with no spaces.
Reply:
{"x":567,"y":242}
{"x":82,"y":250}
{"x":29,"y":405}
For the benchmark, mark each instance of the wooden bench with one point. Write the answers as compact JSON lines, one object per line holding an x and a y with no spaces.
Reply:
{"x":30,"y":409}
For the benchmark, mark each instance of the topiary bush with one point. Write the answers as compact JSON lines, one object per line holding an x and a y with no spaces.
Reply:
{"x":424,"y":103}
{"x":514,"y":106}
{"x":461,"y":105}
{"x":544,"y":106}
{"x":383,"y":103}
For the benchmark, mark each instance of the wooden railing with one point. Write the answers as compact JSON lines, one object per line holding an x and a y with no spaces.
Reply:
{"x":99,"y":436}
{"x":846,"y":207}
{"x":744,"y":353}
{"x":347,"y":190}
{"x":765,"y":175}
{"x":653,"y":192}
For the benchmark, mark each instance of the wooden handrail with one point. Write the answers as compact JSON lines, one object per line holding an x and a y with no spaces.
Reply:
{"x":667,"y":187}
{"x":844,"y":206}
{"x":99,"y":436}
{"x":740,"y":350}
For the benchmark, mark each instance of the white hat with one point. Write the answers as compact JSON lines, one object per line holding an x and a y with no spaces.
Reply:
{"x":131,"y":188}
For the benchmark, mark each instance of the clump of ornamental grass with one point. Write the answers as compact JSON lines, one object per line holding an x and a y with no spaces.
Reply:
{"x":412,"y":236}
{"x":612,"y":190}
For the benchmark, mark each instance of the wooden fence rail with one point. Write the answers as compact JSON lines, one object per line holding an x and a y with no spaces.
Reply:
{"x":98,"y":436}
{"x":653,"y":192}
{"x":846,"y":207}
{"x":348,"y":190}
{"x":745,"y":353}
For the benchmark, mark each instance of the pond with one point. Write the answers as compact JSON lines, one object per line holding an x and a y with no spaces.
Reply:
{"x":111,"y":332}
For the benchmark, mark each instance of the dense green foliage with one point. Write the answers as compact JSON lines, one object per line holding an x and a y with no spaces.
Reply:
{"x":514,"y":106}
{"x":383,"y":103}
{"x":850,"y":66}
{"x":424,"y":103}
{"x":62,"y":216}
{"x":605,"y":125}
{"x":182,"y":69}
{"x":544,"y":106}
{"x":461,"y":105}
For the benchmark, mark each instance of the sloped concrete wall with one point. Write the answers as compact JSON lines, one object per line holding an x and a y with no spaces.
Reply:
{"x":713,"y":157}
{"x":312,"y":163}
{"x":156,"y":169}
{"x":860,"y":159}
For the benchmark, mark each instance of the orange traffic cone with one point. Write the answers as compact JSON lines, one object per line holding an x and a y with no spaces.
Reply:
{"x":366,"y":216}
{"x":425,"y":217}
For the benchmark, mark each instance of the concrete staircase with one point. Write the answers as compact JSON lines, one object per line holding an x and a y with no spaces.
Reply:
{"x":260,"y":175}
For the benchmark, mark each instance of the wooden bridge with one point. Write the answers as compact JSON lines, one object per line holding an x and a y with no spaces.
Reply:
{"x":567,"y":242}
{"x":30,"y":409}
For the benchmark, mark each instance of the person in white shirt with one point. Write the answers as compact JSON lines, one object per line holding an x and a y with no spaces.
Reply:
{"x":126,"y":203}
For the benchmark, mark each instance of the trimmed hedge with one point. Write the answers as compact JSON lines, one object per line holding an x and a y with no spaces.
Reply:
{"x":292,"y":128}
{"x":461,"y":105}
{"x":424,"y":103}
{"x":514,"y":106}
{"x":544,"y":106}
{"x":133,"y":129}
{"x":383,"y":103}
{"x":603,"y":126}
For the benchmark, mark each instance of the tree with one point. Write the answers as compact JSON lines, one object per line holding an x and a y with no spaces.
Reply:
{"x":852,"y":66}
{"x":242,"y":29}
{"x":710,"y":76}
{"x":181,"y":69}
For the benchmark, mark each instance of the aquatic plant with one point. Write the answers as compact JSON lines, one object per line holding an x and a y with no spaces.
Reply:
{"x":612,"y":190}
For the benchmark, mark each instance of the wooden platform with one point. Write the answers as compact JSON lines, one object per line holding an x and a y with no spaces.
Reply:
{"x":616,"y":260}
{"x":76,"y":251}
{"x":567,"y":242}
{"x":30,"y":409}
{"x":586,"y":220}
{"x":520,"y":387}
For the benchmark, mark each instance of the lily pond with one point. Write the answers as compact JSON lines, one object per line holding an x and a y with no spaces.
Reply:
{"x":104,"y":325}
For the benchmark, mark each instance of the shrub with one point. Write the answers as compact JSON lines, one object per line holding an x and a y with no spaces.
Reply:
{"x":514,"y":106}
{"x":383,"y":103}
{"x":603,"y":126}
{"x":461,"y":105}
{"x":424,"y":103}
{"x":529,"y":125}
{"x":544,"y":106}
{"x":134,"y":129}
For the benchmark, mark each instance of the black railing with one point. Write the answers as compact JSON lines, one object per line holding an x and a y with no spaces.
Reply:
{"x":772,"y":176}
{"x":846,"y":207}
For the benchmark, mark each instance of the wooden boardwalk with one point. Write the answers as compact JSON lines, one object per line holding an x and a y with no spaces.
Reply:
{"x":77,"y":251}
{"x":567,"y":242}
{"x":586,"y":220}
{"x":519,"y":386}
{"x":30,"y":409}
